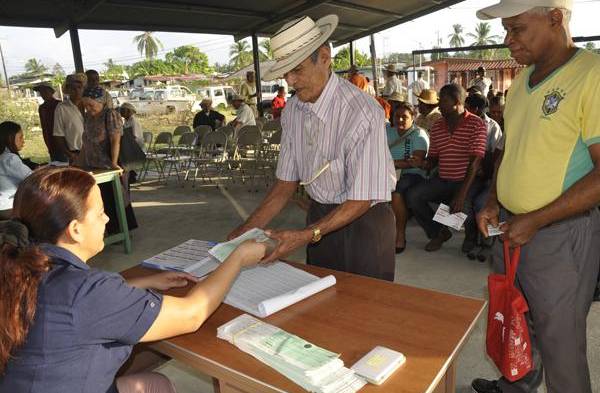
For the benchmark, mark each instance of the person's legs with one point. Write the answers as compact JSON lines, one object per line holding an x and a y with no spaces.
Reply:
{"x":148,"y":382}
{"x":470,"y":224}
{"x":557,"y":275}
{"x":419,"y":197}
{"x":400,"y":213}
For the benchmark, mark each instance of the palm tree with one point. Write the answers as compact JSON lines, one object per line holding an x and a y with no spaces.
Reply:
{"x":148,"y":45}
{"x":239,"y":54}
{"x":35,"y":67}
{"x":456,"y":38}
{"x":482,"y":37}
{"x":267,"y":50}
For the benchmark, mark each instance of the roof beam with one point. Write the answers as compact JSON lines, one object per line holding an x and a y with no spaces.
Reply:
{"x":436,"y":6}
{"x":286,"y":15}
{"x":78,"y":12}
{"x":358,"y":7}
{"x":186,"y":7}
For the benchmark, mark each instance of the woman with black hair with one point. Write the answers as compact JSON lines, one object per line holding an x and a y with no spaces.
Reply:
{"x":12,"y":168}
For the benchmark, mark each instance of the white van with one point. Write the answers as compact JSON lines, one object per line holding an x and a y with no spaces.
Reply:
{"x":218,"y":94}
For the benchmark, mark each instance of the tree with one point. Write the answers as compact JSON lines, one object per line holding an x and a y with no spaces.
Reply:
{"x":341,"y":60}
{"x":265,"y":50}
{"x":57,"y":70}
{"x":147,"y":44}
{"x":482,"y":36}
{"x":188,"y":59}
{"x":35,"y":67}
{"x":239,"y":54}
{"x":456,"y":38}
{"x":150,"y":67}
{"x":114,"y":71}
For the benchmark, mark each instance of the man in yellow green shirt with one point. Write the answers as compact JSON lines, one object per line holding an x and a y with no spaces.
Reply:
{"x":548,"y":188}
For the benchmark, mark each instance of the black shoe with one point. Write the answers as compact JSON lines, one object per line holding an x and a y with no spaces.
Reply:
{"x":400,"y":250}
{"x":480,"y":385}
{"x":597,"y":294}
{"x":468,"y":245}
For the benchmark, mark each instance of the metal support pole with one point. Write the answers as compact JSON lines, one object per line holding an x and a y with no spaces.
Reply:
{"x":374,"y":66}
{"x":5,"y":74}
{"x":76,"y":47}
{"x":351,"y":53}
{"x":257,"y":74}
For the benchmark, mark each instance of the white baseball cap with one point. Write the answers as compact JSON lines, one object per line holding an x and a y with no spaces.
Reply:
{"x":510,"y":8}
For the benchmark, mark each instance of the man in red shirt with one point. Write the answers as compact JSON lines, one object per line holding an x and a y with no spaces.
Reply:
{"x":46,"y":112}
{"x":278,"y":103}
{"x":357,"y":79}
{"x":457,"y":144}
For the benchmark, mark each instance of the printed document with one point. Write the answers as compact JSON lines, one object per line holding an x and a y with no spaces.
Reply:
{"x":443,"y":216}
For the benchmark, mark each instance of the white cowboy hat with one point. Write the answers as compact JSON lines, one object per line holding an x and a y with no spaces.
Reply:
{"x":296,"y":40}
{"x":510,"y":8}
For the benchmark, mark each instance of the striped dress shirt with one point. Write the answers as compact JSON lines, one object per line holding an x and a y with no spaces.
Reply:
{"x":345,"y":127}
{"x":454,"y":150}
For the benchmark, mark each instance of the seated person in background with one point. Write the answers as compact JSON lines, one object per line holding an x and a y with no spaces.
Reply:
{"x":68,"y":118}
{"x":406,"y":141}
{"x":207,"y":116}
{"x":477,"y":104}
{"x":278,"y":103}
{"x":357,"y":79}
{"x":95,"y":91}
{"x":496,"y":110}
{"x":69,"y":328}
{"x":131,"y":124}
{"x":457,"y":144}
{"x":12,"y":169}
{"x":244,"y":115}
{"x":429,"y":112}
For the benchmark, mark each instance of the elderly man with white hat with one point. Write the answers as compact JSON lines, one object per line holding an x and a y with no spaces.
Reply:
{"x":547,"y":189}
{"x":429,"y":111}
{"x":68,"y":119}
{"x":392,"y":83}
{"x":334,"y":144}
{"x":244,"y":115}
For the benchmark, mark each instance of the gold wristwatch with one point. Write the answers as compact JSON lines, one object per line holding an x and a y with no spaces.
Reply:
{"x":316,"y":235}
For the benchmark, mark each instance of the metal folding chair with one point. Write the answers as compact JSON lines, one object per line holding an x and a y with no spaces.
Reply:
{"x":161,"y":148}
{"x":210,"y":157}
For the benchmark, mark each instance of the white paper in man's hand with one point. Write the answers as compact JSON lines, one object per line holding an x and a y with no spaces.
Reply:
{"x":495,"y":231}
{"x":222,"y":250}
{"x":443,"y":216}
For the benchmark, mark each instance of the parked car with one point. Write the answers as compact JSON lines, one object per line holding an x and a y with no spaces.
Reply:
{"x":218,"y":94}
{"x":171,"y":98}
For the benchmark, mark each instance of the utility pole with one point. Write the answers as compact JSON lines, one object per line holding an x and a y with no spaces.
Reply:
{"x":374,"y":65}
{"x":4,"y":68}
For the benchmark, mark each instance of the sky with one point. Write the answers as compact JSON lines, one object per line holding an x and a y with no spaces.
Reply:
{"x":20,"y":44}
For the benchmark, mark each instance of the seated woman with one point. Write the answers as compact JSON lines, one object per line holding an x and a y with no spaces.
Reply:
{"x":406,"y":141}
{"x":69,"y":328}
{"x":12,"y":168}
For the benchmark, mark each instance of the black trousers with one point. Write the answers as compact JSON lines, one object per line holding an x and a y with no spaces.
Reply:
{"x":365,"y":246}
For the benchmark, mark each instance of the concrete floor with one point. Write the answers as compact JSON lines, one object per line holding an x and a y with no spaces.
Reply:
{"x":170,"y":214}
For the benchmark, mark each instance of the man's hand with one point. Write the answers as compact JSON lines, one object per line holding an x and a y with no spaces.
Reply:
{"x":416,"y":161}
{"x":239,"y":231}
{"x":457,"y":203}
{"x":287,"y":242}
{"x":488,"y":216}
{"x":519,"y":229}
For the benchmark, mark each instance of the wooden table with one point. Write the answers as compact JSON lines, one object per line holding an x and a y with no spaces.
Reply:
{"x":113,"y":175}
{"x":350,"y":318}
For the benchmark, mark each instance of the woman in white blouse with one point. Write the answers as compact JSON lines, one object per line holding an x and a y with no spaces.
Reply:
{"x":12,"y":168}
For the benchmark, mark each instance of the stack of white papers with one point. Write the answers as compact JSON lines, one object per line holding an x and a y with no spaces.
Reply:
{"x":260,"y":290}
{"x":314,"y":368}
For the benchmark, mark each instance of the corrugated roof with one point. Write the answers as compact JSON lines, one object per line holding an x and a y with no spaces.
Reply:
{"x":358,"y":18}
{"x":462,"y":65}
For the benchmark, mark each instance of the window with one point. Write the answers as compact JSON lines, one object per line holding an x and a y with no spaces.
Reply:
{"x":218,"y":92}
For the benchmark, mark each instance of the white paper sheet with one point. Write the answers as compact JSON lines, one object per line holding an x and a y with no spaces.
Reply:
{"x":495,"y":231}
{"x":443,"y":216}
{"x":266,"y":289}
{"x":191,"y":257}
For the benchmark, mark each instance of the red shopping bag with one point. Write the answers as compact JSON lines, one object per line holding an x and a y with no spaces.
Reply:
{"x":507,"y":341}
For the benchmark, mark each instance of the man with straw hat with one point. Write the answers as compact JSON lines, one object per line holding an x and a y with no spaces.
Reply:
{"x":547,"y":189}
{"x":334,"y":144}
{"x":429,"y":111}
{"x":392,"y":83}
{"x":46,"y":113}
